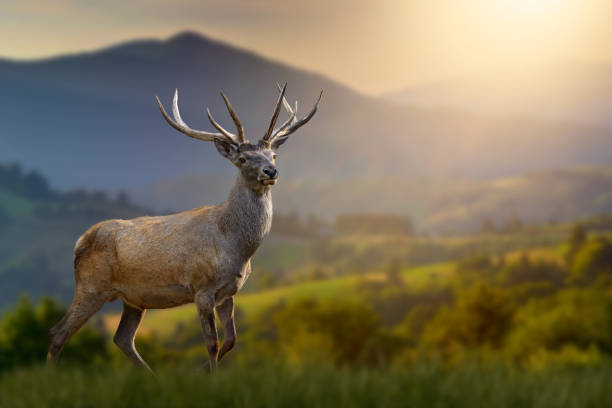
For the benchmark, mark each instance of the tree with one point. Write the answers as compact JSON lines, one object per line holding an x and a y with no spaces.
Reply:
{"x":393,"y":273}
{"x":580,"y":318}
{"x":524,"y":271}
{"x":594,"y":259}
{"x":337,"y":330}
{"x":123,"y":199}
{"x":481,"y":316}
{"x":487,"y":226}
{"x":36,"y":186}
{"x":577,"y":239}
{"x":24,"y":335}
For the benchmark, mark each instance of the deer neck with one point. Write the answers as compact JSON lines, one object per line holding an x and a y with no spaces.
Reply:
{"x":246,"y":216}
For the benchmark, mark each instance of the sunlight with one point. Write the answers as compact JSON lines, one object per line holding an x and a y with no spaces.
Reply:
{"x":534,"y":6}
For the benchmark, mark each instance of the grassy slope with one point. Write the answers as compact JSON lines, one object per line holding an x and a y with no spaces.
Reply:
{"x":545,"y":244}
{"x":164,"y":321}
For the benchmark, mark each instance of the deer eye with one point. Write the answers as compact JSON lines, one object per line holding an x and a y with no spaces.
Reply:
{"x":274,"y":156}
{"x":242,"y":160}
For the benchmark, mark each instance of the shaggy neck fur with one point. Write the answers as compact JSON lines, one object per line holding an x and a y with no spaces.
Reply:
{"x":247,"y":215}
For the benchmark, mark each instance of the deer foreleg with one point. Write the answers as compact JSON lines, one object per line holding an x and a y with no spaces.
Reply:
{"x":226,"y":314}
{"x":205,"y":303}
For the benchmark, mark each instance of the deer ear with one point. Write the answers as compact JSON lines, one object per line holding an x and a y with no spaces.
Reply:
{"x":279,"y":141}
{"x":227,"y":150}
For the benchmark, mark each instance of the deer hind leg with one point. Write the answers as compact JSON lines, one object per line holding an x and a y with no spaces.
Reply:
{"x":226,"y":314}
{"x":83,"y":307}
{"x":205,"y":303}
{"x":126,"y":332}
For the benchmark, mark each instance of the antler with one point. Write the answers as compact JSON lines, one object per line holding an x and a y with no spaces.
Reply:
{"x":292,"y":124}
{"x":268,"y":134}
{"x":234,"y":116}
{"x":288,"y":127}
{"x":182,"y":127}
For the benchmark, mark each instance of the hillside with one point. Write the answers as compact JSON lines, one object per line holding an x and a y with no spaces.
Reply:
{"x":39,"y":224}
{"x":38,"y":229}
{"x":90,"y":120}
{"x":438,"y":205}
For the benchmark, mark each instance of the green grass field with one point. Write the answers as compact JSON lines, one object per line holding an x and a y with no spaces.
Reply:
{"x":422,"y":385}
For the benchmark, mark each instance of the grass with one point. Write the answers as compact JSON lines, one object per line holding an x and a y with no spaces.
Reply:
{"x":164,"y":321}
{"x":269,"y":385}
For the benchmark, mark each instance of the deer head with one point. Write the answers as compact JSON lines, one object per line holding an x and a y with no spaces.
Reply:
{"x":256,"y":162}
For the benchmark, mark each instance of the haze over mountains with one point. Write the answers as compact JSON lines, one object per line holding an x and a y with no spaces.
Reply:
{"x":90,"y":120}
{"x":573,"y":91}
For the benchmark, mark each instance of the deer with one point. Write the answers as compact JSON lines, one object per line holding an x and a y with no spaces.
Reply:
{"x":200,"y":256}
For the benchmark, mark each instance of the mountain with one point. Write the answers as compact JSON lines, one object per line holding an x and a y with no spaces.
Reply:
{"x":90,"y":120}
{"x":573,"y":91}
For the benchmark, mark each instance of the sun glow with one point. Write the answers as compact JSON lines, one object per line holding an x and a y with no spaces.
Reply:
{"x":535,"y":7}
{"x":534,"y":4}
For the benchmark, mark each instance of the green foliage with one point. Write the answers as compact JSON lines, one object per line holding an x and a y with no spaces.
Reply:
{"x":338,"y":331}
{"x":24,"y":336}
{"x":577,"y":239}
{"x":577,"y":318}
{"x":481,"y":317}
{"x":473,"y":269}
{"x":594,"y":259}
{"x":524,"y":271}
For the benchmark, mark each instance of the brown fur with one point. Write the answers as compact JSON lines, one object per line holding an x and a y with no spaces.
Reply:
{"x":201,"y":255}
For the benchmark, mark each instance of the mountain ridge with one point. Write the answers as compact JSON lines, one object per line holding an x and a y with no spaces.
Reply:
{"x":91,"y":120}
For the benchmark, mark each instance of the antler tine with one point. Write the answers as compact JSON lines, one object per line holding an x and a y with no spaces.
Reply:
{"x":181,"y":126}
{"x":234,"y":116}
{"x":292,"y":114}
{"x":284,"y":126}
{"x":285,"y":103}
{"x":229,"y":136}
{"x":275,"y":115}
{"x":298,"y":124}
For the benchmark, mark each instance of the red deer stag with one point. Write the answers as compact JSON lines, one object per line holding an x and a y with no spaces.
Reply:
{"x":201,"y":255}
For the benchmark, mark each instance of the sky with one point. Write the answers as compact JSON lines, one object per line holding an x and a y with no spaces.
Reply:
{"x":372,"y":46}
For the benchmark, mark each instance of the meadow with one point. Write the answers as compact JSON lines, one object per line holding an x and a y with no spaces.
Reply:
{"x":270,"y":385}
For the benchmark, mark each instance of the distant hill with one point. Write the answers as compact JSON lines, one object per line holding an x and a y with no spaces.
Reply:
{"x":39,"y":224}
{"x":38,"y":229}
{"x":90,"y":120}
{"x":438,"y":205}
{"x":575,"y":91}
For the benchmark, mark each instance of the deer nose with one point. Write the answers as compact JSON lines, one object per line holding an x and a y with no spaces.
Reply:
{"x":270,"y":172}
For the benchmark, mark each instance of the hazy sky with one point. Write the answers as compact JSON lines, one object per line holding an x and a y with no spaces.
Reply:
{"x":374,"y":46}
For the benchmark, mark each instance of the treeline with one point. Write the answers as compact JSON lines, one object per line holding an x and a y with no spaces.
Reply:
{"x":34,"y":186}
{"x":30,"y":184}
{"x":345,"y":224}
